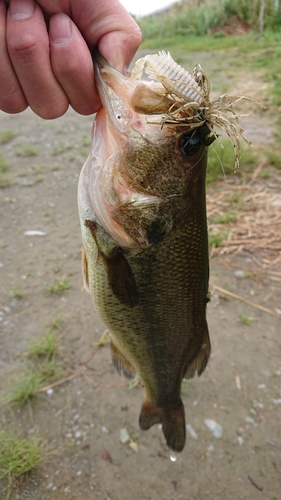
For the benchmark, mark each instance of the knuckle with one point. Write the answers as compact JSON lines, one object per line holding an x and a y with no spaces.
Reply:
{"x":24,"y":46}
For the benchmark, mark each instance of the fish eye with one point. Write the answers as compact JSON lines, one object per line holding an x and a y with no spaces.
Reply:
{"x":190,"y":143}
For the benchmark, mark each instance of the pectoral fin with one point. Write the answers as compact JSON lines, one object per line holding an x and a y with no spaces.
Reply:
{"x":119,"y":273}
{"x":121,"y":363}
{"x":121,"y":278}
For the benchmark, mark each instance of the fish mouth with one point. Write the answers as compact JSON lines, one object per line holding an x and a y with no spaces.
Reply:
{"x":101,"y":186}
{"x":118,"y":94}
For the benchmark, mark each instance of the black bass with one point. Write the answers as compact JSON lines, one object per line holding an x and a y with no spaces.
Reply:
{"x":142,"y":208}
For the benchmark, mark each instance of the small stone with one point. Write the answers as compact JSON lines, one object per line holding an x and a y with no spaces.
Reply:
{"x":7,"y":309}
{"x":133,"y":446}
{"x":124,"y":436}
{"x":79,"y":472}
{"x":50,"y":392}
{"x":215,"y":428}
{"x":30,"y":431}
{"x":276,"y":401}
{"x":49,"y":486}
{"x":191,"y":431}
{"x":249,"y":420}
{"x":239,"y":273}
{"x":261,"y":386}
{"x":211,"y":447}
{"x":78,"y":434}
{"x":105,"y":429}
{"x":240,"y":440}
{"x":34,"y":233}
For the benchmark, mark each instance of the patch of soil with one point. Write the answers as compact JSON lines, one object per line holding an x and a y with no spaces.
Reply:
{"x":234,"y":26}
{"x":81,"y":420}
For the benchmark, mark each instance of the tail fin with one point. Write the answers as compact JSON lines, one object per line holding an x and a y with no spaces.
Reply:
{"x":173,"y":423}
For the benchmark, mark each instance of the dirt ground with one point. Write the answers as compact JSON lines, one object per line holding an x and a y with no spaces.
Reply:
{"x":82,"y":418}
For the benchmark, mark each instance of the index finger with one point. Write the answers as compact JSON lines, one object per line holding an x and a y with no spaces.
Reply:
{"x":111,"y":28}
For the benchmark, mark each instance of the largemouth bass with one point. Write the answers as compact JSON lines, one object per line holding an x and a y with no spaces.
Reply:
{"x":142,"y":208}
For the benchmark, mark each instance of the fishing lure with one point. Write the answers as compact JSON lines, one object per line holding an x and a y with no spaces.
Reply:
{"x":184,"y":99}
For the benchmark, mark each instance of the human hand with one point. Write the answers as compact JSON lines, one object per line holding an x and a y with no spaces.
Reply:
{"x":45,"y":59}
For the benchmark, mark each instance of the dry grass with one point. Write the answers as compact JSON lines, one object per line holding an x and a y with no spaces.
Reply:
{"x":256,"y":226}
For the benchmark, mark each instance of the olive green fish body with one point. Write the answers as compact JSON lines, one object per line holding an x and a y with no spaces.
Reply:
{"x":146,"y":260}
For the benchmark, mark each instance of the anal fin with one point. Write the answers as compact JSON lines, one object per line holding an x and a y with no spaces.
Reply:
{"x":121,"y":363}
{"x":172,"y":420}
{"x":200,"y":361}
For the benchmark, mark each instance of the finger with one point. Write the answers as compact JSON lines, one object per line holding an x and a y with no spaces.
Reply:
{"x":12,"y":99}
{"x":72,"y":64}
{"x":110,"y":27}
{"x":28,"y":46}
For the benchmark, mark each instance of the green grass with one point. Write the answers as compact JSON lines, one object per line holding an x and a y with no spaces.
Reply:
{"x":34,"y":377}
{"x":245,"y":320}
{"x":61,"y":148}
{"x":27,"y":150}
{"x":274,"y":158}
{"x":5,"y":178}
{"x":3,"y":164}
{"x":221,"y":160}
{"x":47,"y":345}
{"x":17,"y":293}
{"x":60,"y":286}
{"x":215,"y":239}
{"x":225,"y":219}
{"x":18,"y":456}
{"x":6,"y":136}
{"x":24,"y":388}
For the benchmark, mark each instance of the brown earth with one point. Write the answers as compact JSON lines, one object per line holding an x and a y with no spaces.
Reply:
{"x":81,"y":420}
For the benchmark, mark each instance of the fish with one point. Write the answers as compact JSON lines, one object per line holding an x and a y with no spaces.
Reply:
{"x":142,"y":209}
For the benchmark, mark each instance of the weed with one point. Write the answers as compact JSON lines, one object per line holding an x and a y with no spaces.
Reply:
{"x":225,"y":219}
{"x":38,"y":169}
{"x":245,"y":320}
{"x":24,"y":388}
{"x":6,"y":136}
{"x":61,"y":148}
{"x":215,"y":239}
{"x":18,"y":293}
{"x":60,"y":286}
{"x":275,"y":158}
{"x":86,"y":140}
{"x":5,"y":180}
{"x":3,"y":164}
{"x":48,"y":369}
{"x":46,"y":346}
{"x":54,"y":167}
{"x":265,"y":173}
{"x":105,"y":339}
{"x":18,"y":456}
{"x":27,"y":150}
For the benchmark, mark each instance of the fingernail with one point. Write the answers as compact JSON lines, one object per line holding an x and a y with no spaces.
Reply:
{"x":21,"y":9}
{"x":60,"y":29}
